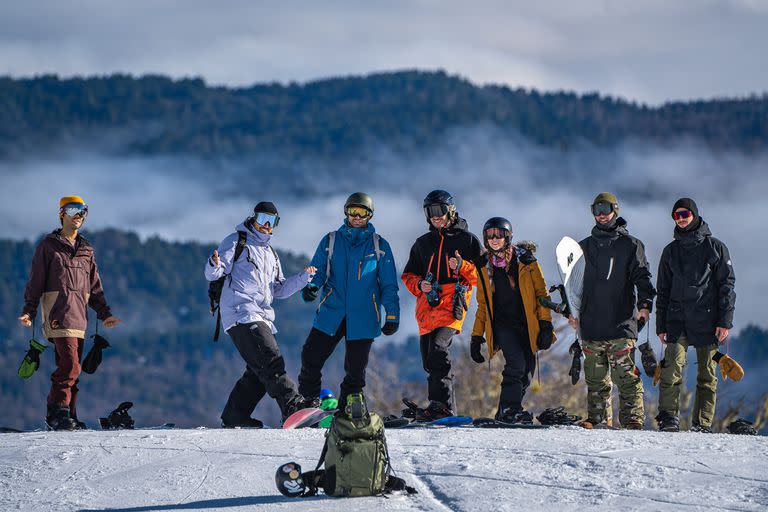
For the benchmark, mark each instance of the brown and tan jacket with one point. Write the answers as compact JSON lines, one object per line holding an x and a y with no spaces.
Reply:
{"x":65,"y":278}
{"x":532,"y":286}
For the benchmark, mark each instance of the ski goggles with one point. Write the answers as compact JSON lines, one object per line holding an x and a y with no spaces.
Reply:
{"x":683,"y":214}
{"x":436,"y":210}
{"x":496,"y":233}
{"x":75,"y":210}
{"x":602,"y":208}
{"x":358,"y":211}
{"x":267,"y":219}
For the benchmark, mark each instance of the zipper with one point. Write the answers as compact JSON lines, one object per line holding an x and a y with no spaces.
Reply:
{"x":376,"y":307}
{"x":359,"y":269}
{"x":439,"y":253}
{"x":324,"y":299}
{"x":610,"y":269}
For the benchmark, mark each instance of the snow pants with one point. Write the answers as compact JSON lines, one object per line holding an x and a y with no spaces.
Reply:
{"x":612,"y":361}
{"x":706,"y":382}
{"x":264,"y":372}
{"x":436,"y":359}
{"x":68,"y":353}
{"x":318,"y":348}
{"x":519,"y":365}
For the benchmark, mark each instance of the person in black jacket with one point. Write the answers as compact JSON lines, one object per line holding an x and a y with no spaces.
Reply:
{"x":695,"y":308}
{"x":441,"y":274}
{"x":610,"y":314}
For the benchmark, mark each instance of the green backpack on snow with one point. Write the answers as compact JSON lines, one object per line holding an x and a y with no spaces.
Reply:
{"x":356,"y":460}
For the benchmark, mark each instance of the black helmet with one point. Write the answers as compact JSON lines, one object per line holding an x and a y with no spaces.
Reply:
{"x":360,"y":199}
{"x":497,"y":223}
{"x":289,"y":481}
{"x":438,"y":203}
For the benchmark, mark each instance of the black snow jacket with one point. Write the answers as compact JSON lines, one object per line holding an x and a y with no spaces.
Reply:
{"x":695,"y":283}
{"x":615,"y":266}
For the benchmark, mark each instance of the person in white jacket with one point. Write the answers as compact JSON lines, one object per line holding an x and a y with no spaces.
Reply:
{"x":252,"y":282}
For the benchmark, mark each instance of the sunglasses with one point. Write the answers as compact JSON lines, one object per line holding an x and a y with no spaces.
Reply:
{"x":496,"y":234}
{"x":436,"y":210}
{"x":358,"y":212}
{"x":683,"y":214}
{"x":602,"y":208}
{"x":75,"y":210}
{"x":267,"y":219}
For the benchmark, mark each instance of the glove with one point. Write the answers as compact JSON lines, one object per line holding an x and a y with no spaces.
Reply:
{"x":474,"y":349}
{"x":389,"y":328}
{"x":459,"y":305}
{"x":728,"y":367}
{"x":546,"y":335}
{"x":31,"y":361}
{"x":309,"y":293}
{"x":575,"y":371}
{"x":93,"y":359}
{"x":648,"y":359}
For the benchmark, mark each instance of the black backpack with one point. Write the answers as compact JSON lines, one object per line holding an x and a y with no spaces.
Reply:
{"x":215,"y":287}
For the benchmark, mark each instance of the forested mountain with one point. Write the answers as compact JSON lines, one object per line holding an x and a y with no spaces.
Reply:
{"x":406,"y":111}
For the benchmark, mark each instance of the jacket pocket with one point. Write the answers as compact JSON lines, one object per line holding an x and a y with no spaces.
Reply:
{"x":76,"y":277}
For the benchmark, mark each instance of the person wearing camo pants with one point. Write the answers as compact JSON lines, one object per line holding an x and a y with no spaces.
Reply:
{"x":611,"y":315}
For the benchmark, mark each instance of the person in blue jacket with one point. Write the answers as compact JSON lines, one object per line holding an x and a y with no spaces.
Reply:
{"x":354,"y":283}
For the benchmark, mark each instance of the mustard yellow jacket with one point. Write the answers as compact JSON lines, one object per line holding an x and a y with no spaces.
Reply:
{"x":532,"y":286}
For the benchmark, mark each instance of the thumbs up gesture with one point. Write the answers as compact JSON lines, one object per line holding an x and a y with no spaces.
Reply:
{"x":455,"y":262}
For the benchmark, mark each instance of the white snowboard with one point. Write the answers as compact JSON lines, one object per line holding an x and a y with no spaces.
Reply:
{"x":570,"y":264}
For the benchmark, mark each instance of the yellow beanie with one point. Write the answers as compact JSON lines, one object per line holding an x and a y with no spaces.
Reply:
{"x":70,"y":199}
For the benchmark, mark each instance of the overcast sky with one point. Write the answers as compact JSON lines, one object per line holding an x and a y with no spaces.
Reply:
{"x":648,"y":50}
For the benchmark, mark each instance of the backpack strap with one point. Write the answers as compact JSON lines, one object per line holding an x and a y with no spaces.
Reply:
{"x":242,"y":237}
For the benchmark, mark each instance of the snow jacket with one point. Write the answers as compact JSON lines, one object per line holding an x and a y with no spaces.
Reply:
{"x":532,"y":286}
{"x":430,"y":254}
{"x":253,"y":281}
{"x":695,"y":286}
{"x":359,"y":284}
{"x":66,"y":278}
{"x":615,"y":266}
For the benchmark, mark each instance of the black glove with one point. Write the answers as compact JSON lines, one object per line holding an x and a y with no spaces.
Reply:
{"x":546,"y":335}
{"x":93,"y":359}
{"x":648,"y":358}
{"x":575,"y":371}
{"x":389,"y":328}
{"x":309,"y":293}
{"x":474,"y":349}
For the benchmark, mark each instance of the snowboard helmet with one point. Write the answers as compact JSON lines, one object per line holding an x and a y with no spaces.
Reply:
{"x":359,"y":199}
{"x":439,"y":203}
{"x":289,"y":481}
{"x":326,"y":393}
{"x":497,"y":223}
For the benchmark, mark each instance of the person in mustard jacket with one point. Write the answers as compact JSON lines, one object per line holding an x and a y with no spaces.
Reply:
{"x":509,"y":317}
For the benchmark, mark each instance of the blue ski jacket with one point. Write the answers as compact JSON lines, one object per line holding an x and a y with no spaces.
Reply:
{"x":358,"y":286}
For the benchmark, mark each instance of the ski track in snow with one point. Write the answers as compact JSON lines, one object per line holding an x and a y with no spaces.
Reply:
{"x":460,"y":469}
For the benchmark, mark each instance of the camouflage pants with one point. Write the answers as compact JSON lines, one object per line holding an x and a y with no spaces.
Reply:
{"x":672,"y":377}
{"x":612,"y":361}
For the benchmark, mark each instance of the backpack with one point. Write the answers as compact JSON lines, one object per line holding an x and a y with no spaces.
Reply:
{"x":215,"y":287}
{"x":332,"y":239}
{"x":356,"y":460}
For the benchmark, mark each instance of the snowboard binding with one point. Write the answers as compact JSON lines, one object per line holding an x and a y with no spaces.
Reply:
{"x":119,"y":418}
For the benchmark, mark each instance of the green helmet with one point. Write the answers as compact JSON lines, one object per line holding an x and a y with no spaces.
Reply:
{"x":360,"y":199}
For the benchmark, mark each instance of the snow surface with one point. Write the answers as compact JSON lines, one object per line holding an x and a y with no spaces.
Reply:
{"x":566,"y":468}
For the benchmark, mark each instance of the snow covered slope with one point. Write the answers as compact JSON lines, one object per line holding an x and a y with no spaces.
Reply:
{"x":453,"y":469}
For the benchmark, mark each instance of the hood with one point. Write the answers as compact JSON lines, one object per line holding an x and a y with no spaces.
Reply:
{"x":457,"y":227}
{"x":613,"y":231}
{"x":694,"y":236}
{"x":356,"y":236}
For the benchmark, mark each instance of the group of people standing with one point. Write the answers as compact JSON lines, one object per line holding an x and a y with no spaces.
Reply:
{"x":352,"y":276}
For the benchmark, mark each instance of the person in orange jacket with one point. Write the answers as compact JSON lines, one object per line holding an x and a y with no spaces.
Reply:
{"x":510,"y":316}
{"x":441,"y":273}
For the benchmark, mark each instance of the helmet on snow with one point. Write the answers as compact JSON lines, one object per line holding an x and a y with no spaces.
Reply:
{"x":289,"y":481}
{"x":326,"y":393}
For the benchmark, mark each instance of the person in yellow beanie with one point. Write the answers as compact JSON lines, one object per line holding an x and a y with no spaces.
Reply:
{"x":64,"y":276}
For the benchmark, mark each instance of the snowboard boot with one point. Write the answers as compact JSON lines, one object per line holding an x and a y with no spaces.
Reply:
{"x":434,"y":411}
{"x":667,"y":422}
{"x":634,"y":425}
{"x":594,"y":424}
{"x":79,"y":425}
{"x":515,"y":416}
{"x":355,"y":408}
{"x":698,"y":428}
{"x":58,"y":418}
{"x":241,"y":423}
{"x":298,"y":403}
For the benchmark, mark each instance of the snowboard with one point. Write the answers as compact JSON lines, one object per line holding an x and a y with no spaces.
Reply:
{"x":448,"y":421}
{"x":493,"y":423}
{"x":308,"y":417}
{"x":570,"y":265}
